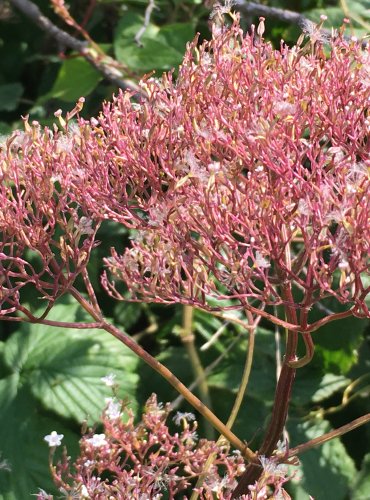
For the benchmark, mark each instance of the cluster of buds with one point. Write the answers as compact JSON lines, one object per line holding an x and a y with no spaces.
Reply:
{"x":147,"y":461}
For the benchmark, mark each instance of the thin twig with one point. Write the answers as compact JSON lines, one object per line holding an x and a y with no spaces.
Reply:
{"x":329,"y":435}
{"x":248,"y":9}
{"x":256,"y":9}
{"x":214,"y":337}
{"x":148,"y":12}
{"x":237,"y":403}
{"x":112,"y":74}
{"x":166,"y":374}
{"x":30,"y":10}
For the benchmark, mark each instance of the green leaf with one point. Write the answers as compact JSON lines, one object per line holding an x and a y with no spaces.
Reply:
{"x":162,"y":48}
{"x":76,"y":78}
{"x":360,"y":8}
{"x":337,"y":342}
{"x":63,"y":367}
{"x":327,"y":470}
{"x":311,"y":386}
{"x":5,"y":129}
{"x":262,"y":381}
{"x":206,"y":326}
{"x":127,"y":313}
{"x":58,"y":370}
{"x":22,"y":446}
{"x":361,"y":487}
{"x":335,"y":16}
{"x":10,"y":93}
{"x":366,"y":284}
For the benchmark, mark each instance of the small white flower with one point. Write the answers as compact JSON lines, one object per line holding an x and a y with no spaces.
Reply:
{"x":54,"y":439}
{"x":84,"y":492}
{"x":85,"y":226}
{"x":88,"y":463}
{"x":343,"y":264}
{"x":4,"y":464}
{"x":180,"y":416}
{"x":303,"y":207}
{"x":261,"y":261}
{"x":109,"y":380}
{"x":42,"y":495}
{"x":113,"y":410}
{"x":97,"y":440}
{"x":272,"y":468}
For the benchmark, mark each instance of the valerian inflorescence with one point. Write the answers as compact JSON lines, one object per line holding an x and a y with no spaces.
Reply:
{"x":245,"y":180}
{"x":248,"y":173}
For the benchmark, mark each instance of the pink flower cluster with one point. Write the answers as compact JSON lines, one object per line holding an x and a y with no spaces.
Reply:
{"x":146,"y":461}
{"x":45,"y":239}
{"x":246,"y":174}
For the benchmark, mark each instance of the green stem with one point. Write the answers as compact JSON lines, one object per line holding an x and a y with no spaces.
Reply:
{"x":237,"y":403}
{"x":188,"y":340}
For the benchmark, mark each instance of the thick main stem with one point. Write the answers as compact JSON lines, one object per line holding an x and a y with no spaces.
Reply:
{"x":281,"y":401}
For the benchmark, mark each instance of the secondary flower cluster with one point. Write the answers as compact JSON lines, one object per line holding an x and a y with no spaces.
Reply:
{"x":45,"y":240}
{"x":146,"y":461}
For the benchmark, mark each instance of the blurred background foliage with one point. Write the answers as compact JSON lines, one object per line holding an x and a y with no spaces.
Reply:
{"x":50,"y":378}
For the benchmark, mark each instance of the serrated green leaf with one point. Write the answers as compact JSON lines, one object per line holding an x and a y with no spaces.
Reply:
{"x":10,"y":93}
{"x":63,"y":367}
{"x":327,"y":470}
{"x":76,"y":78}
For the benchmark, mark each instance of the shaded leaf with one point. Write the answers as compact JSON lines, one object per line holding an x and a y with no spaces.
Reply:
{"x":313,"y":387}
{"x":361,"y":487}
{"x":263,"y":376}
{"x":327,"y":470}
{"x":337,"y":342}
{"x":10,"y":93}
{"x":76,"y":78}
{"x":22,"y":431}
